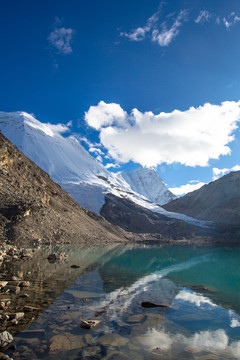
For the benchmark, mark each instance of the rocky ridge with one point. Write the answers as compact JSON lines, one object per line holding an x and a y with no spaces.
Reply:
{"x":218,"y":201}
{"x":35,"y":209}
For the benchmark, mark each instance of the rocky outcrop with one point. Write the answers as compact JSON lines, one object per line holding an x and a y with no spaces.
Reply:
{"x":219,"y":201}
{"x":35,"y":209}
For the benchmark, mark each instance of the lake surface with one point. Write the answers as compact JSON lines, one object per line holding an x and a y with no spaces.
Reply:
{"x":110,"y":285}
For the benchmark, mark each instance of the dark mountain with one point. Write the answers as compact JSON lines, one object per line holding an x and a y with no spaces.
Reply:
{"x":34,"y":208}
{"x":137,"y":219}
{"x":219,"y":201}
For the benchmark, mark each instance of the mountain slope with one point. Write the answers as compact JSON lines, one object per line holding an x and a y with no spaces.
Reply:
{"x":82,"y":176}
{"x":218,"y":201}
{"x":34,"y":208}
{"x":71,"y":166}
{"x":146,"y":181}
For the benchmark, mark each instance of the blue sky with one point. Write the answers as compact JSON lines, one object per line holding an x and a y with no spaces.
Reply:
{"x":91,"y":62}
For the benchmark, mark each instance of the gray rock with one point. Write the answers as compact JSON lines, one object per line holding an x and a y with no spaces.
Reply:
{"x":5,"y":339}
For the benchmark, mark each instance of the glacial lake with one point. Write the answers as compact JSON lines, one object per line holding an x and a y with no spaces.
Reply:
{"x":201,"y":285}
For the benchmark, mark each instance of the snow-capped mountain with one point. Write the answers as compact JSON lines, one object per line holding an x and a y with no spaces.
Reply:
{"x":147,"y":182}
{"x":81,"y":175}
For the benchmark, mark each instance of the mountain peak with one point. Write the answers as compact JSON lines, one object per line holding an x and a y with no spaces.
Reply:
{"x":147,"y":182}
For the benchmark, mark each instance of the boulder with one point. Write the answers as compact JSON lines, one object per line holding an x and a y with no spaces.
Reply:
{"x":5,"y":339}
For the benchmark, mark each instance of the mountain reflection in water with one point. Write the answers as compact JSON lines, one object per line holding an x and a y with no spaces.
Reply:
{"x":201,"y":286}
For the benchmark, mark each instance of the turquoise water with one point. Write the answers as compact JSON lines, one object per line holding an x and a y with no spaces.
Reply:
{"x":200,"y":323}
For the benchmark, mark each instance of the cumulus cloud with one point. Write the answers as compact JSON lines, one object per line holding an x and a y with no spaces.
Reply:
{"x":165,"y":36}
{"x":184,"y":189}
{"x":190,"y":137}
{"x":104,"y":115}
{"x":61,"y":39}
{"x":204,"y":16}
{"x":217,"y":173}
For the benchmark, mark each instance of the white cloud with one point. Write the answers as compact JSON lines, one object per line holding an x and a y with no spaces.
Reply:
{"x":166,"y":36}
{"x":61,"y":39}
{"x":105,"y":114}
{"x":231,"y":20}
{"x":190,"y":137}
{"x":184,"y":189}
{"x":140,"y":33}
{"x":204,"y":16}
{"x":217,"y":173}
{"x":96,"y":150}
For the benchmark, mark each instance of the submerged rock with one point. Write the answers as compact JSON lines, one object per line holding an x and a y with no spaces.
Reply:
{"x":57,"y":257}
{"x":113,"y":340}
{"x":66,"y":342}
{"x":89,"y":324}
{"x":148,"y":304}
{"x":75,"y":266}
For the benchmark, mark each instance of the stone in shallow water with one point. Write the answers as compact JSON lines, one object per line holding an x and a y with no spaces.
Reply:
{"x":5,"y":339}
{"x":112,"y":340}
{"x":66,"y":342}
{"x":116,"y":355}
{"x":89,"y":324}
{"x":88,"y":338}
{"x":133,"y":347}
{"x":93,"y":352}
{"x":136,"y":318}
{"x":75,"y":266}
{"x":135,"y":356}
